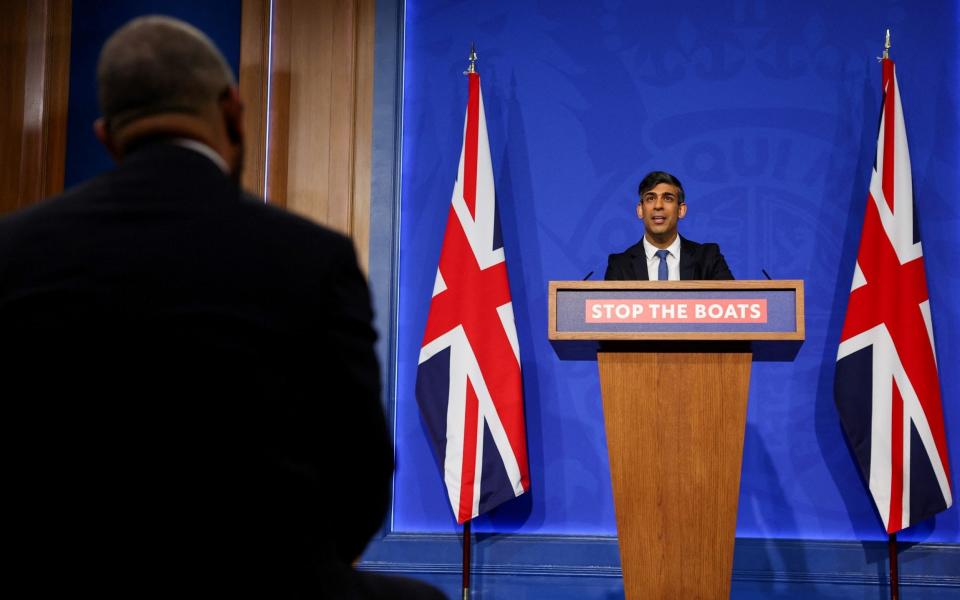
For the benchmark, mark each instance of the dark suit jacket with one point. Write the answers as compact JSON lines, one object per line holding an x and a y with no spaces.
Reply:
{"x":697,"y":261}
{"x":189,"y":381}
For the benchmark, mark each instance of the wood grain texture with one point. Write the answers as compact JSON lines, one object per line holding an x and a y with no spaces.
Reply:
{"x":363,"y":129}
{"x":278,"y":111}
{"x":675,"y":424}
{"x":13,"y":64}
{"x":735,"y":284}
{"x":36,"y":62}
{"x":311,"y":143}
{"x":254,"y":56}
{"x":801,"y":322}
{"x":311,"y":96}
{"x":57,"y":94}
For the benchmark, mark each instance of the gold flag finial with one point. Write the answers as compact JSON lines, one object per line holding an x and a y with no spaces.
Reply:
{"x":886,"y":46}
{"x":472,"y":68}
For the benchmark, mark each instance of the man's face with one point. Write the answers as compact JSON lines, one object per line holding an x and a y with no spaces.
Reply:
{"x":660,"y":210}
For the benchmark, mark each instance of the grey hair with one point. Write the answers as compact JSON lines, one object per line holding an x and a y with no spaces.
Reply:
{"x":156,"y":64}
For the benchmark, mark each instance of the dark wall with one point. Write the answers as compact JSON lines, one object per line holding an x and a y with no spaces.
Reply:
{"x":93,"y":22}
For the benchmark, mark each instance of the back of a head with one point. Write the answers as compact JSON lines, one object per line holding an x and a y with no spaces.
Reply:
{"x":155,"y":65}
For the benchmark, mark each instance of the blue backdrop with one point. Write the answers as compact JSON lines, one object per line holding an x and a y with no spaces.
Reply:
{"x":767,"y":111}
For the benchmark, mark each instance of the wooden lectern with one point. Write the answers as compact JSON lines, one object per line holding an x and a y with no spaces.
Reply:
{"x":674,"y":360}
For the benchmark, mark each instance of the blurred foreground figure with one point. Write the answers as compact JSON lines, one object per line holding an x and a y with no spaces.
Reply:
{"x":191,"y":400}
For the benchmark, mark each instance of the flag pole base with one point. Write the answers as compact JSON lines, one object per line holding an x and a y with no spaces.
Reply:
{"x":894,"y":571}
{"x":466,"y":560}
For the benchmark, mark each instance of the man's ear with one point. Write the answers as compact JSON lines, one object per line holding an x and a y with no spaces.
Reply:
{"x":683,"y":210}
{"x":103,"y":134}
{"x":640,"y":210}
{"x":232,"y":110}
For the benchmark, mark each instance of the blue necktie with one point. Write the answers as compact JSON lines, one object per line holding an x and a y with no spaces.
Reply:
{"x":663,"y":274}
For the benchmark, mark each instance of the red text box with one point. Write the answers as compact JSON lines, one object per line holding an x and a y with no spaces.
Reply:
{"x":665,"y":310}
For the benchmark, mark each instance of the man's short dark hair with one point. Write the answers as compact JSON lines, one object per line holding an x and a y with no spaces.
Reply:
{"x":655,"y":178}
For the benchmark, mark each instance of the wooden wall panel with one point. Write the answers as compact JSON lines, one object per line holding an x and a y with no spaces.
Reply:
{"x":13,"y":53}
{"x":343,"y":88}
{"x":306,"y":77}
{"x":255,"y":50}
{"x":310,"y":141}
{"x":363,"y":126}
{"x":35,"y":60}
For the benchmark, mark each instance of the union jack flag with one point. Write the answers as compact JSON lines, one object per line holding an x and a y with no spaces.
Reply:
{"x":468,"y":380}
{"x":887,"y":389}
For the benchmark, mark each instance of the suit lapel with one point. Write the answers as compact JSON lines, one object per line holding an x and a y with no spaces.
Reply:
{"x":687,"y":259}
{"x":639,"y":262}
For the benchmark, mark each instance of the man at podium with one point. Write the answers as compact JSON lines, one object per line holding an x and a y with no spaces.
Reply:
{"x":662,"y":254}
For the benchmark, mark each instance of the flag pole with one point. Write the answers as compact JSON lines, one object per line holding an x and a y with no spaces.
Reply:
{"x":466,"y":561}
{"x":894,"y":576}
{"x":471,"y":68}
{"x":892,"y":538}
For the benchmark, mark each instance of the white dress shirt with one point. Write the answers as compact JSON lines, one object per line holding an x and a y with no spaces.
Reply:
{"x":204,"y":150}
{"x":653,"y":261}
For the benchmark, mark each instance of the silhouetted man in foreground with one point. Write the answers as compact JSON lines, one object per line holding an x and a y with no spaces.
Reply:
{"x":191,"y":397}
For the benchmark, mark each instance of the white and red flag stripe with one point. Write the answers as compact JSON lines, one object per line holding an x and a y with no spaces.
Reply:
{"x":468,"y":380}
{"x":887,"y":389}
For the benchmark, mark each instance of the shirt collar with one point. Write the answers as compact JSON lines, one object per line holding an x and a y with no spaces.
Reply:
{"x":205,"y":150}
{"x":650,"y":250}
